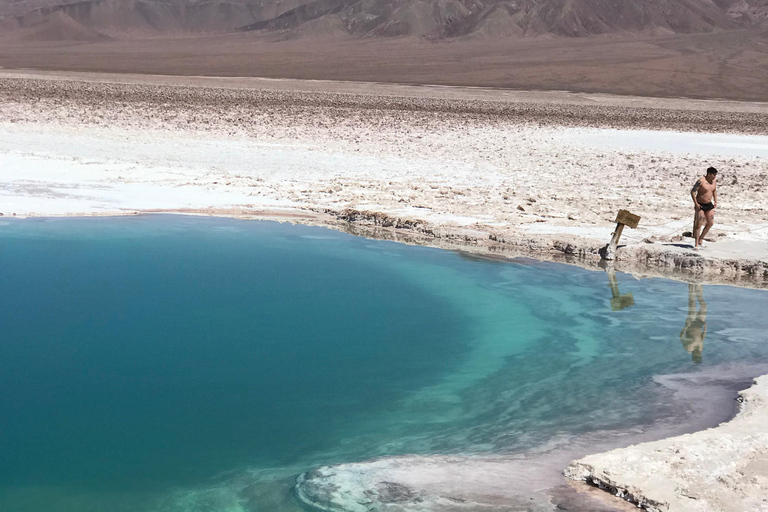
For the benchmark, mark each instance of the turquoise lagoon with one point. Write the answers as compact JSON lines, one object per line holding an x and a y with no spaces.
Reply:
{"x":168,"y":364}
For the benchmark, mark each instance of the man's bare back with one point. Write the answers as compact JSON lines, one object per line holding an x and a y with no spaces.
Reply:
{"x":704,"y":195}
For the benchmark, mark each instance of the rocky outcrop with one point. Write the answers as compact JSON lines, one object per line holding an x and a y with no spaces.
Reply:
{"x":695,"y":263}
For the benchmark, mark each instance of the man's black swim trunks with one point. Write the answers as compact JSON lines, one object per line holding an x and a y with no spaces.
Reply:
{"x":706,"y":206}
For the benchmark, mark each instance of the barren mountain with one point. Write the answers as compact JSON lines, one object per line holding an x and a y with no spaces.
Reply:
{"x":433,"y":19}
{"x":440,"y":19}
{"x":57,"y":26}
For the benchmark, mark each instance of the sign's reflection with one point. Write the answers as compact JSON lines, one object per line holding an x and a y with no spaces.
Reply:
{"x":618,"y":301}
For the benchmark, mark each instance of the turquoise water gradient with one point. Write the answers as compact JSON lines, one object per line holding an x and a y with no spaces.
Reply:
{"x":167,"y":364}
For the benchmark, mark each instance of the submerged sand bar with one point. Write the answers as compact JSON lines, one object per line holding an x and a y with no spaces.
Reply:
{"x":490,"y":171}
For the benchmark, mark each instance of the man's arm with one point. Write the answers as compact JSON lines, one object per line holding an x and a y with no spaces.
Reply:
{"x":714,"y":194}
{"x":694,"y":190}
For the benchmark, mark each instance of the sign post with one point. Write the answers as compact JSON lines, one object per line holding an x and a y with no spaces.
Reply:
{"x":623,"y":218}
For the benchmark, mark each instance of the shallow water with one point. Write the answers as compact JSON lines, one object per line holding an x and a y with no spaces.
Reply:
{"x":195,"y":364}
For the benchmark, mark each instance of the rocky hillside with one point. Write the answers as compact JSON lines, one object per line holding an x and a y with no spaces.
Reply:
{"x":434,"y":19}
{"x":441,"y":19}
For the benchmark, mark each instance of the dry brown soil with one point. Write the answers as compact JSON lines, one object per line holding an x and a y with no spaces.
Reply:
{"x":731,"y":65}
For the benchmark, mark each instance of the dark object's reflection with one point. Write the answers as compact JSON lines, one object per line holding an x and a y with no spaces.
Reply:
{"x":618,"y":301}
{"x":692,"y":335}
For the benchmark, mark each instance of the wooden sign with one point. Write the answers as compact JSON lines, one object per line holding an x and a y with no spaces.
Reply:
{"x":628,"y":219}
{"x":623,"y":218}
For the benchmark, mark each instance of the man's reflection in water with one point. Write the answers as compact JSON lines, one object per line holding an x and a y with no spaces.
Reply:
{"x":692,"y":335}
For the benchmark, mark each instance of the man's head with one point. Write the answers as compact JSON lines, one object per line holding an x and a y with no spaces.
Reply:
{"x":711,"y":174}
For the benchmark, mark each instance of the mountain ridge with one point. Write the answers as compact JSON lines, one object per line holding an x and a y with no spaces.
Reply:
{"x":429,"y":19}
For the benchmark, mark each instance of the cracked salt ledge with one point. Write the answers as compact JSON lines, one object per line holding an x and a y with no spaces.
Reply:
{"x":720,"y":469}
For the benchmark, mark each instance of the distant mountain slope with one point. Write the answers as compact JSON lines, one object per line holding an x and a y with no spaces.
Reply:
{"x":434,"y":19}
{"x":441,"y":19}
{"x":152,"y":16}
{"x":57,"y":26}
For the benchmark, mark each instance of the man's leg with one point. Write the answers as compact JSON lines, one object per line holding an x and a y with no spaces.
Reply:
{"x":709,"y":217}
{"x":697,"y":218}
{"x":691,"y":300}
{"x":699,"y":291}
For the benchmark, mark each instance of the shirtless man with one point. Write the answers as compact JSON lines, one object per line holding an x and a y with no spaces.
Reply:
{"x":704,"y":195}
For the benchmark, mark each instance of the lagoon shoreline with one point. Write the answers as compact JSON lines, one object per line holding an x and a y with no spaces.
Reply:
{"x":500,"y":176}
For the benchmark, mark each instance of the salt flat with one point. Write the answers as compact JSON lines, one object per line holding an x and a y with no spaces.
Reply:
{"x":509,"y":169}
